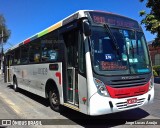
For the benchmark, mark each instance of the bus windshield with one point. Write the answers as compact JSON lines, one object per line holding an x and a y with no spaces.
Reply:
{"x":132,"y":57}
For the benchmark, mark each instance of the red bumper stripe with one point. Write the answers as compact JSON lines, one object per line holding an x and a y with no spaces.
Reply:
{"x":127,"y":92}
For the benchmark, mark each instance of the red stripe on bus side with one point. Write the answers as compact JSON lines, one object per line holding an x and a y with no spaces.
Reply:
{"x":58,"y":74}
{"x":70,"y":89}
{"x":127,"y":92}
{"x":26,"y":41}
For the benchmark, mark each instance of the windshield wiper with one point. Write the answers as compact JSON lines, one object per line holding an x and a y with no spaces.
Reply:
{"x":113,"y":38}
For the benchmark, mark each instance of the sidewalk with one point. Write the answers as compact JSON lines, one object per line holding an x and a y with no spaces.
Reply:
{"x":1,"y":77}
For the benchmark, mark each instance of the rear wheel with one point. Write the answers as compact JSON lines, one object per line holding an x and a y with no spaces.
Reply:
{"x":15,"y":84}
{"x":54,"y":100}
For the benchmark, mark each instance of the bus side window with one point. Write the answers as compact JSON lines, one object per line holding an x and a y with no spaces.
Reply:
{"x":34,"y":52}
{"x":45,"y":56}
{"x":17,"y":56}
{"x":49,"y":47}
{"x":36,"y":57}
{"x":71,"y":42}
{"x":24,"y":54}
{"x":49,"y":54}
{"x":11,"y":58}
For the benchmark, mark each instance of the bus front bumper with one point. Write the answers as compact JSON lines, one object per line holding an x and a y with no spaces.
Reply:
{"x":100,"y":105}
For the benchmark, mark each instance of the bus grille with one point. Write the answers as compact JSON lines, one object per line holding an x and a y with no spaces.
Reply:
{"x":128,"y":82}
{"x":123,"y":105}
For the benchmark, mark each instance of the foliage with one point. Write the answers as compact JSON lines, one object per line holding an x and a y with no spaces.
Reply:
{"x":156,"y":70}
{"x":156,"y":67}
{"x":152,"y":19}
{"x":6,"y":31}
{"x":155,"y":73}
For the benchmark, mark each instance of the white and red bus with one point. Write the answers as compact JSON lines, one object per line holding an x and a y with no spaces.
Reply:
{"x":92,"y":61}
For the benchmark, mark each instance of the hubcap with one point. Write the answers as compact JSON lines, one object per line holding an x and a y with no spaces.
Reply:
{"x":54,"y":98}
{"x":15,"y":85}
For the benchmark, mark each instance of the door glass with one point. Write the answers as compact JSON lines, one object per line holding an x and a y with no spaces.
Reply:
{"x":70,"y":84}
{"x":7,"y":68}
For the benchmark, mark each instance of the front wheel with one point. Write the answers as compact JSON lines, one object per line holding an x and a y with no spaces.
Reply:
{"x":54,"y":100}
{"x":15,"y":85}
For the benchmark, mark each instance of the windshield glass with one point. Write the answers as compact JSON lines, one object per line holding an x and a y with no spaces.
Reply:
{"x":132,"y":56}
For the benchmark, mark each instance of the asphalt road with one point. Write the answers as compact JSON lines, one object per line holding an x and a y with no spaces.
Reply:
{"x":24,"y":105}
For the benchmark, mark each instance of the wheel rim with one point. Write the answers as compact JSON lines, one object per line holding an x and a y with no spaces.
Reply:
{"x":54,"y":99}
{"x":15,"y":85}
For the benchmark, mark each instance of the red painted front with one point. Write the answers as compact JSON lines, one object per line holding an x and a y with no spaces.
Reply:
{"x":127,"y":92}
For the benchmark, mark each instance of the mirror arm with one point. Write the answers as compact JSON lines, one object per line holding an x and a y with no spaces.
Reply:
{"x":86,"y":28}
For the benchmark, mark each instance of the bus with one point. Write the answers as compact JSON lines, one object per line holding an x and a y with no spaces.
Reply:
{"x":94,"y":62}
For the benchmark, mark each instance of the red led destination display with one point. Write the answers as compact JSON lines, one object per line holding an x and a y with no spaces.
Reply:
{"x":112,"y":66}
{"x":113,"y":20}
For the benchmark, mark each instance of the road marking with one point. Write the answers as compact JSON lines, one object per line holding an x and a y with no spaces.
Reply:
{"x":11,"y":104}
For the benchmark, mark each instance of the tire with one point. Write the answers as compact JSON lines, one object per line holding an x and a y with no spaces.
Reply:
{"x":54,"y":100}
{"x":15,"y":84}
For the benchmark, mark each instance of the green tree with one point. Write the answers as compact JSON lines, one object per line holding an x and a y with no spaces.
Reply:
{"x":6,"y":31}
{"x":151,"y":20}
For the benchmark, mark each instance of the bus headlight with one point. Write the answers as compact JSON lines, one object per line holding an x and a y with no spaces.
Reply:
{"x":151,"y":83}
{"x":101,"y":87}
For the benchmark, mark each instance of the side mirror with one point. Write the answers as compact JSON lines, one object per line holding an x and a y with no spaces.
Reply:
{"x":86,"y":28}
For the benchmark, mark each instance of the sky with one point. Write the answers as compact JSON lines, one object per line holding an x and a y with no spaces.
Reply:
{"x":27,"y":17}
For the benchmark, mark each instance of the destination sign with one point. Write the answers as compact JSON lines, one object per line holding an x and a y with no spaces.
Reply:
{"x":112,"y":66}
{"x":113,"y":20}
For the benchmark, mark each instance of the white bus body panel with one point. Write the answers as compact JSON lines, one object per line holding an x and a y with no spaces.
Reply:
{"x":83,"y":93}
{"x":33,"y":78}
{"x":89,"y":74}
{"x":99,"y":105}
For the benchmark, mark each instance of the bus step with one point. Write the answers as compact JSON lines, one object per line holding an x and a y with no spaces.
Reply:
{"x":71,"y":106}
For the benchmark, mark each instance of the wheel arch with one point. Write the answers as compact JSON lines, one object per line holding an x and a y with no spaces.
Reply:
{"x":15,"y":83}
{"x":14,"y":76}
{"x":50,"y":84}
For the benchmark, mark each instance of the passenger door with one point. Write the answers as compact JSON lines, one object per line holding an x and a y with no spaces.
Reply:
{"x":7,"y":70}
{"x":71,"y":42}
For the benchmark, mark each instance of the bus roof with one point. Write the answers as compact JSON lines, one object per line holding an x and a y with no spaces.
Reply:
{"x":66,"y":20}
{"x":70,"y":18}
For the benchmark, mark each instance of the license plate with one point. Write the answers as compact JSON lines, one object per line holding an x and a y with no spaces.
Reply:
{"x":132,"y":101}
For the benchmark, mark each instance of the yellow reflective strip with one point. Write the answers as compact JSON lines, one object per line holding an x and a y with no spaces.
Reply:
{"x":55,"y":26}
{"x":71,"y":106}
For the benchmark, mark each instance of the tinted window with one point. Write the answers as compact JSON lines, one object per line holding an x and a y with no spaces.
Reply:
{"x":17,"y":56}
{"x":50,"y":47}
{"x":24,"y":54}
{"x":34,"y":52}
